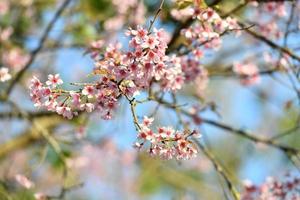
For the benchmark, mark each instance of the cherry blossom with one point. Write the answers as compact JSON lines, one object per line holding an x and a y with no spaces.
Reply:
{"x":149,"y":65}
{"x":166,"y":142}
{"x":127,"y":73}
{"x":285,"y":188}
{"x":24,"y":181}
{"x":269,"y":13}
{"x":4,"y":74}
{"x":54,"y":80}
{"x":278,"y":8}
{"x":247,"y":71}
{"x":15,"y":58}
{"x":207,"y":29}
{"x":89,"y":91}
{"x":65,"y":111}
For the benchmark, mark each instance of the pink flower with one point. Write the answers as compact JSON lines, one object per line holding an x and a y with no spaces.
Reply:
{"x":273,"y":188}
{"x":4,"y":75}
{"x":88,"y":107}
{"x":75,"y":99}
{"x":147,"y":121}
{"x":24,"y":181}
{"x":150,"y":42}
{"x":209,"y":15}
{"x":277,"y":8}
{"x":51,"y":104}
{"x":54,"y":80}
{"x":166,"y":132}
{"x":15,"y":58}
{"x":140,"y":33}
{"x":65,"y":111}
{"x":164,"y":143}
{"x":247,"y":71}
{"x":4,"y":7}
{"x":35,"y":83}
{"x":89,"y":91}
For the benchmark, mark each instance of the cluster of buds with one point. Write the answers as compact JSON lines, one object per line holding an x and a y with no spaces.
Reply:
{"x":288,"y":188}
{"x":167,"y":143}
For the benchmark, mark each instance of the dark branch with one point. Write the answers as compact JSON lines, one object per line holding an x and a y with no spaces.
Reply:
{"x":36,"y":51}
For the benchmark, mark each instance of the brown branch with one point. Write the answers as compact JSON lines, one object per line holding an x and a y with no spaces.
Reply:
{"x":271,"y":43}
{"x":29,"y":136}
{"x":226,"y":73}
{"x":179,"y":26}
{"x":251,"y":137}
{"x":31,"y":115}
{"x":176,"y":34}
{"x":155,"y":16}
{"x":220,"y":169}
{"x":190,"y":20}
{"x":239,"y":132}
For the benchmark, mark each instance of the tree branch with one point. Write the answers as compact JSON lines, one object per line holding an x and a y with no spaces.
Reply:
{"x":36,"y":51}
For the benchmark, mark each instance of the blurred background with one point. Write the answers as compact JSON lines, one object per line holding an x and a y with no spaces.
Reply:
{"x":102,"y":164}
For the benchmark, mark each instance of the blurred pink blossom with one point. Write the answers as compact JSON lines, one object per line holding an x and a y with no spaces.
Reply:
{"x":4,"y":74}
{"x":15,"y":58}
{"x":24,"y":181}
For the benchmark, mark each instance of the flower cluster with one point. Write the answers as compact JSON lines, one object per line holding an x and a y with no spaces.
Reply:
{"x":248,"y":72}
{"x":166,"y":142}
{"x":276,"y":8}
{"x":144,"y":62}
{"x":101,"y":96}
{"x":288,"y":188}
{"x":208,"y":28}
{"x":121,"y":73}
{"x":270,"y":13}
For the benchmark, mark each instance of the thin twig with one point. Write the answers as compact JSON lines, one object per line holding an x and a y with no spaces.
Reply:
{"x":155,"y":16}
{"x":236,"y":131}
{"x":220,"y":169}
